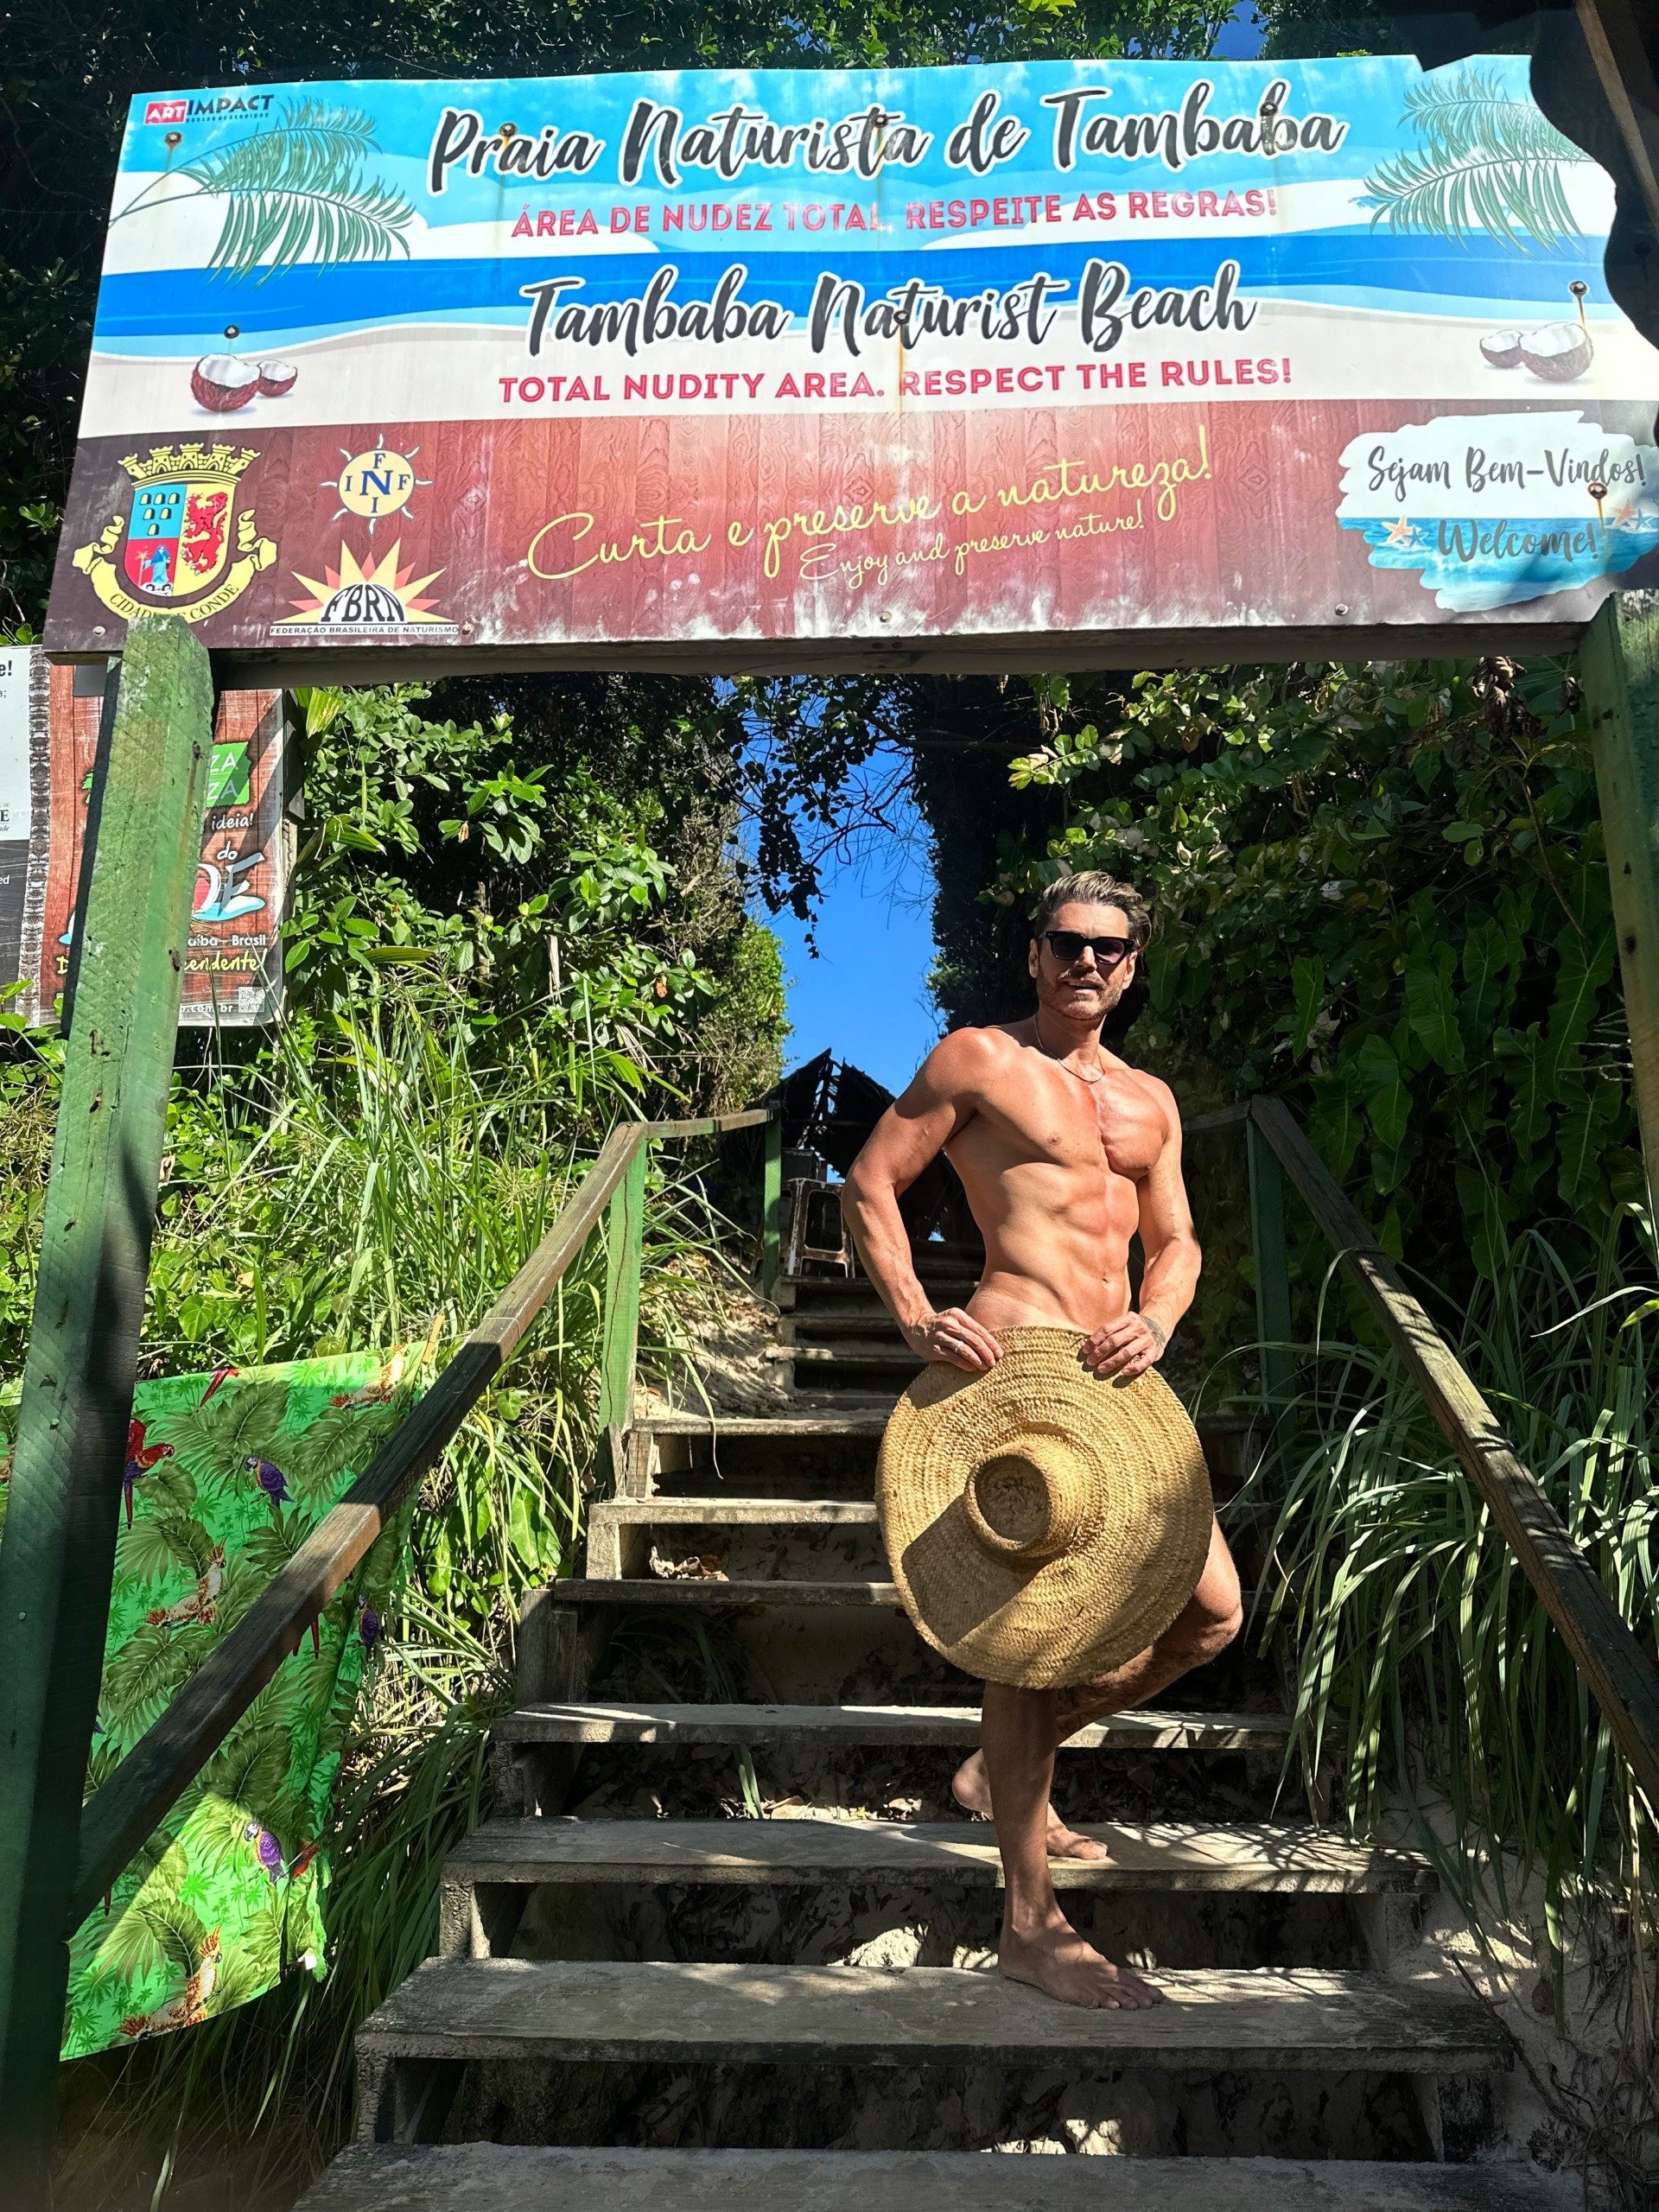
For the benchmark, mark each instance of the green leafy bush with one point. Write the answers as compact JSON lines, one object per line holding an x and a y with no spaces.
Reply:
{"x":1382,"y":893}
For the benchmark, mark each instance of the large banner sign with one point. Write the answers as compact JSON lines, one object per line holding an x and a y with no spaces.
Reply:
{"x":1063,"y":361}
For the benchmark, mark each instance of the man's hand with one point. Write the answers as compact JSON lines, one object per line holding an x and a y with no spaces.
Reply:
{"x":1125,"y":1348}
{"x":954,"y":1339}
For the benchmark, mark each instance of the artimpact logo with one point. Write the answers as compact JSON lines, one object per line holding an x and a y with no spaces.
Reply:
{"x":206,"y":106}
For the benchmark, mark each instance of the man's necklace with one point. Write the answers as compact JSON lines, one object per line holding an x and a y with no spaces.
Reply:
{"x":1091,"y":1080}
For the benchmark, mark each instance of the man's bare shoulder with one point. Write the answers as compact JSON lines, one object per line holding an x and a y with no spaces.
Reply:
{"x":1157,"y":1093}
{"x":966,"y":1060}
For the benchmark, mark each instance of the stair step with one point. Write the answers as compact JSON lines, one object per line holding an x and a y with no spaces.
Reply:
{"x":909,"y":1726}
{"x":874,"y":1324}
{"x":863,"y":1354}
{"x":858,"y":1418}
{"x":736,"y":1512}
{"x":499,"y":2177}
{"x":655,"y":1590}
{"x":800,"y":1853}
{"x":607,"y":2010}
{"x":795,"y":1291}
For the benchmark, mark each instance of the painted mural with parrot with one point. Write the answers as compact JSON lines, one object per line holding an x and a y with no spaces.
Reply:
{"x":226,"y":1474}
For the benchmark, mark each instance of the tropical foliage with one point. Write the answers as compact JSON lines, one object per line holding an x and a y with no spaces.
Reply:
{"x":371,"y":1178}
{"x":1427,"y":1675}
{"x":1486,"y":162}
{"x":1384,"y":895}
{"x":295,"y":190}
{"x":226,"y":1475}
{"x":475,"y":948}
{"x":1416,"y":1637}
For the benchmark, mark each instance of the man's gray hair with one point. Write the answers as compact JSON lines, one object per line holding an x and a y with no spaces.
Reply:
{"x":1094,"y":887}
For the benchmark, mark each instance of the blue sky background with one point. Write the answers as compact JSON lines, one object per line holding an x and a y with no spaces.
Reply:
{"x":1241,"y":37}
{"x":865,"y":996}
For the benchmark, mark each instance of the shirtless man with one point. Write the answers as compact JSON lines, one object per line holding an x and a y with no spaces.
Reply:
{"x":1064,"y":1152}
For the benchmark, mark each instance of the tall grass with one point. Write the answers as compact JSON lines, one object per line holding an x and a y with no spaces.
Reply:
{"x":368,"y":1181}
{"x":1428,"y":1675}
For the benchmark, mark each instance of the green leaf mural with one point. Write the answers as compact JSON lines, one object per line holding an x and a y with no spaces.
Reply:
{"x":297,"y":192}
{"x":1486,"y":162}
{"x":225,"y":1900}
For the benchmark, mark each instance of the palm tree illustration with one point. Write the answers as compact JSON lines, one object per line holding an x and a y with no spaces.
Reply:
{"x":158,"y":1929}
{"x":1485,"y":160}
{"x":253,"y":1772}
{"x":158,"y":1543}
{"x":141,"y":1680}
{"x":341,"y":1439}
{"x":297,"y":192}
{"x":161,"y":1930}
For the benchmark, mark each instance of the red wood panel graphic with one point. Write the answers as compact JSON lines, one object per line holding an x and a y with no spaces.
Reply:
{"x":738,"y":538}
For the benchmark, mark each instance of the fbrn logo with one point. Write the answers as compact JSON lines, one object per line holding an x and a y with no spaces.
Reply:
{"x":166,"y":111}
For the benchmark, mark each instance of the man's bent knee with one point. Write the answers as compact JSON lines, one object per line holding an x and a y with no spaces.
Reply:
{"x":1203,"y":1632}
{"x":1221,"y":1631}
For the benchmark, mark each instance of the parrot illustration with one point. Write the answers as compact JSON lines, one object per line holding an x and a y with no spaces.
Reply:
{"x":202,"y":1603}
{"x":378,"y":1392}
{"x":141,"y":1458}
{"x":369,"y":1626}
{"x":269,"y":1477}
{"x":268,"y":1851}
{"x":302,"y":1864}
{"x":220,"y":1375}
{"x":189,"y":2008}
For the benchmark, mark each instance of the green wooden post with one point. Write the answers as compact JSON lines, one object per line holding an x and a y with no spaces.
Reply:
{"x":59,"y":1547}
{"x":1620,"y":668}
{"x":1272,"y":1267}
{"x":625,"y":1222}
{"x":772,"y":1208}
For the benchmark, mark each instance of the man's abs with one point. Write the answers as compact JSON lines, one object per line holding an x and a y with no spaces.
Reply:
{"x":1057,"y":1232}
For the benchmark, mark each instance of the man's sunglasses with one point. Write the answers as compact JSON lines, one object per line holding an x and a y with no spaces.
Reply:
{"x":1067,"y":945}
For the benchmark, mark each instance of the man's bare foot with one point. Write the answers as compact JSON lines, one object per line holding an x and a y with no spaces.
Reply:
{"x":970,"y":1787}
{"x":1054,"y":1958}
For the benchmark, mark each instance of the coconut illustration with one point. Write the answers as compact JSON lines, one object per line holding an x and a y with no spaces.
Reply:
{"x":1558,"y":353}
{"x":1500,"y":349}
{"x":223,"y":382}
{"x":276,"y":377}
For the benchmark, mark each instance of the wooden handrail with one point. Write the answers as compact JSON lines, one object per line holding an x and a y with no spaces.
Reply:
{"x":161,"y":1766}
{"x":1623,"y":1680}
{"x":714,"y":1125}
{"x":1217,"y":1117}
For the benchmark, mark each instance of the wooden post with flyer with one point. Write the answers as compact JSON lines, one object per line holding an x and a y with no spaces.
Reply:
{"x":64,"y":1487}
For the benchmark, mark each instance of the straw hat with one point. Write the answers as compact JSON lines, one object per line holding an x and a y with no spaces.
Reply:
{"x":1043,"y":1525}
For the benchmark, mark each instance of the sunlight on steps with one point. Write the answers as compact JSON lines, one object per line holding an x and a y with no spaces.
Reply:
{"x":641,"y":2000}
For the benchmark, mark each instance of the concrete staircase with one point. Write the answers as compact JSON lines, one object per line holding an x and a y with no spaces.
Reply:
{"x":843,"y":1337}
{"x":640,"y":2000}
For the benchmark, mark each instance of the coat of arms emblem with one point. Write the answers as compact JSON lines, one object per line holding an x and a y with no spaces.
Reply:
{"x":184,"y":546}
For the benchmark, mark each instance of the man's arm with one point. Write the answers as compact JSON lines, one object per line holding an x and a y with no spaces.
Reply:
{"x":915,"y":1129}
{"x":1127,"y":1347}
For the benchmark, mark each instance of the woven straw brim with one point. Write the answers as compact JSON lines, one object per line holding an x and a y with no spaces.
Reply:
{"x":1133,"y":1560}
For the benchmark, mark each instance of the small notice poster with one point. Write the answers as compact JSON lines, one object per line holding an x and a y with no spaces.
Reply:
{"x":23,"y":745}
{"x":232,"y":967}
{"x":1065,"y":360}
